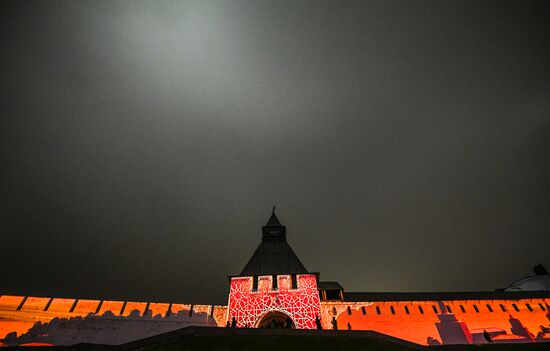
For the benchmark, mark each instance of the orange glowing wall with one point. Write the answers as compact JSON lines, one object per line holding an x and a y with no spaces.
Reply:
{"x":416,"y":320}
{"x":115,"y":307}
{"x":19,"y":313}
{"x":159,"y":309}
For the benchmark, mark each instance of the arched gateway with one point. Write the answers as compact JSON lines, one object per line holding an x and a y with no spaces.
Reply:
{"x":275,"y":319}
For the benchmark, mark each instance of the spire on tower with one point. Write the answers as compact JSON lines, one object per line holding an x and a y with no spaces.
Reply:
{"x":273,"y":220}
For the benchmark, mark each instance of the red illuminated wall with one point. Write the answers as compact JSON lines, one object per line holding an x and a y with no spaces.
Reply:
{"x":422,"y":322}
{"x":249,"y":307}
{"x":100,"y":321}
{"x":446,"y":322}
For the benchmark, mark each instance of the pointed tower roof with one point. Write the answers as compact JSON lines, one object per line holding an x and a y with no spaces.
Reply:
{"x":274,"y":255}
{"x":273,"y":220}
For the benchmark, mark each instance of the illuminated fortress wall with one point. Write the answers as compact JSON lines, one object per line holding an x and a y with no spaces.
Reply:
{"x":59,"y":321}
{"x":446,"y":322}
{"x":62,"y":321}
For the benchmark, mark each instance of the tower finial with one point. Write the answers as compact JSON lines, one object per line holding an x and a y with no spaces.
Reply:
{"x":273,"y":220}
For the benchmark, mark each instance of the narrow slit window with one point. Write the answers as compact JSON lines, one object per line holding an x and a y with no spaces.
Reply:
{"x":349,"y":311}
{"x":20,"y":306}
{"x":420,"y":309}
{"x":377,"y":310}
{"x":449,"y":309}
{"x":489,"y":308}
{"x":515,"y":307}
{"x":529,"y":307}
{"x":294,"y":281}
{"x":407,"y":310}
{"x":255,"y":283}
{"x":502,"y":307}
{"x":435,"y":309}
{"x":363,"y":310}
{"x":476,"y":309}
{"x":392,"y":310}
{"x":50,"y":302}
{"x":542,"y":307}
{"x":274,"y":282}
{"x":462,"y":309}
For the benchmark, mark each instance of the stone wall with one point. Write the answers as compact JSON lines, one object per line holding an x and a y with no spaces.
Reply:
{"x":446,"y":322}
{"x":62,"y":321}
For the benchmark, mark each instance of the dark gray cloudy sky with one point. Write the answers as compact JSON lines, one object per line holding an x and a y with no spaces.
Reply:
{"x":406,"y":144}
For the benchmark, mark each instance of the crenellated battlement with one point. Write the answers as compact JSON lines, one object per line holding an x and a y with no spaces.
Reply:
{"x":275,"y":283}
{"x":130,"y":319}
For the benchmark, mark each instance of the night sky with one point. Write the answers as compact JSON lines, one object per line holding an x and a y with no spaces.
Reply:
{"x":405,"y":144}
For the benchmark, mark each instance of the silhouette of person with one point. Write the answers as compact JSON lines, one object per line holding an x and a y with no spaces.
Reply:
{"x":318,"y":322}
{"x":233,"y":322}
{"x":228,"y":324}
{"x":432,"y":341}
{"x":334,"y":323}
{"x":288,"y":323}
{"x":349,"y":326}
{"x":487,"y":336}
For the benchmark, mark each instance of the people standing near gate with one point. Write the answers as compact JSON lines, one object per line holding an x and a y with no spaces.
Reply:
{"x":288,"y":323}
{"x":318,"y":322}
{"x":233,"y":323}
{"x":334,"y":323}
{"x":487,"y":336}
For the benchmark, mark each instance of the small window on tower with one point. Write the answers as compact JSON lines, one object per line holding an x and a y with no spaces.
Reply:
{"x":529,"y":307}
{"x":363,"y":310}
{"x":515,"y":307}
{"x":502,"y":307}
{"x":349,"y":311}
{"x":377,"y":310}
{"x":462,"y":309}
{"x":449,"y":309}
{"x":392,"y":310}
{"x":333,"y":295}
{"x":434,"y":308}
{"x":489,"y":308}
{"x":255,"y":283}
{"x":294,"y":281}
{"x":407,"y":310}
{"x":476,"y":309}
{"x":274,"y":282}
{"x":420,"y":309}
{"x":542,"y":307}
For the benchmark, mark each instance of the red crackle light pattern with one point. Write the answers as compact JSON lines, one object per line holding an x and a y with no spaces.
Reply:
{"x":301,"y":304}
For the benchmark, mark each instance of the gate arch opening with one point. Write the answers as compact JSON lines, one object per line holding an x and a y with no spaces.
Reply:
{"x":275,"y":319}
